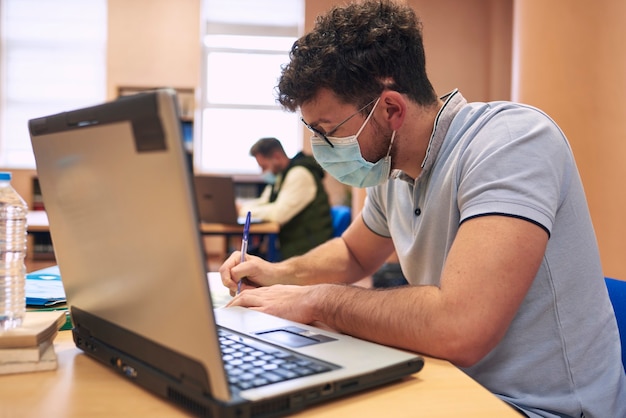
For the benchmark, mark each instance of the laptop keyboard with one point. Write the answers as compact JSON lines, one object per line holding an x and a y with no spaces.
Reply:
{"x":250,"y":364}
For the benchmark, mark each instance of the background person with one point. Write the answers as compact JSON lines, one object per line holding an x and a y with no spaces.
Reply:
{"x":294,"y":197}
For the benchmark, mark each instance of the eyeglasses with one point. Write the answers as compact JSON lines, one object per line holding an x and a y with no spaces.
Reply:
{"x":325,"y":136}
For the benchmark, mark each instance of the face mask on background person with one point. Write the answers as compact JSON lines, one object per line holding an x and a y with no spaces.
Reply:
{"x":345,"y":161}
{"x":268,"y":177}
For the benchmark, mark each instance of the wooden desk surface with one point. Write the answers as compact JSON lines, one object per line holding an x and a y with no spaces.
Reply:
{"x":224,"y":229}
{"x":38,"y":222}
{"x":82,"y":387}
{"x":269,"y":229}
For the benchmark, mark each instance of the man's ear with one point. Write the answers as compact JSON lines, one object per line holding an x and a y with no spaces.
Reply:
{"x":394,"y":106}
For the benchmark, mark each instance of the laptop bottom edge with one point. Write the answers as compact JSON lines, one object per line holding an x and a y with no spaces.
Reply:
{"x":198,"y":403}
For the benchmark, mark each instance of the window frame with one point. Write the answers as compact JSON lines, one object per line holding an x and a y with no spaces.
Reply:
{"x":204,"y":143}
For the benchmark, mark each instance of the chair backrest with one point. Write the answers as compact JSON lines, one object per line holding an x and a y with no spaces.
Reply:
{"x":341,"y":217}
{"x":617,"y":293}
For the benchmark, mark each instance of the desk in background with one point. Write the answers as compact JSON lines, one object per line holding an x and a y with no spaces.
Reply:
{"x":37,"y":221}
{"x":268,"y":229}
{"x":40,"y":246}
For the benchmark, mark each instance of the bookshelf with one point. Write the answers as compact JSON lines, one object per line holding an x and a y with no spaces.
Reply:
{"x":39,"y":240}
{"x":41,"y":246}
{"x":37,"y":199}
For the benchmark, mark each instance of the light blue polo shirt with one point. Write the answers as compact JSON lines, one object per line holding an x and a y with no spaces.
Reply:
{"x":561,"y":353}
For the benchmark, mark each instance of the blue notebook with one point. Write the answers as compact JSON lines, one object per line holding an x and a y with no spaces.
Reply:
{"x":44,"y":288}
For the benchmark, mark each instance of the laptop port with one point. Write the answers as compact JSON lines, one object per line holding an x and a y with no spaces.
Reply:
{"x":312,"y":395}
{"x":327,"y":389}
{"x":129,"y":371}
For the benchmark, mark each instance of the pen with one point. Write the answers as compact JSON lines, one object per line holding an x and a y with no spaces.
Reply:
{"x":244,"y":246}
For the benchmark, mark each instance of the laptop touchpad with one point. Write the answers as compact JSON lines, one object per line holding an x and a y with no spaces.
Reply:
{"x":293,"y":337}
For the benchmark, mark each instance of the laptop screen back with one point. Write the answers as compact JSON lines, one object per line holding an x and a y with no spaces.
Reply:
{"x":216,"y":199}
{"x":125,"y":233}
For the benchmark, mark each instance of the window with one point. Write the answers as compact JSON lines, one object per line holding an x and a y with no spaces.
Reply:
{"x":52,"y":59}
{"x":245,"y":43}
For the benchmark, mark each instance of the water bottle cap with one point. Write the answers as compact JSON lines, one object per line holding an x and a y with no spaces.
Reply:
{"x":4,"y":175}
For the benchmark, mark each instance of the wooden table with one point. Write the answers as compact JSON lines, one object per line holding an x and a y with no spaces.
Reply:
{"x":38,"y":223}
{"x":82,"y":387}
{"x":269,"y":229}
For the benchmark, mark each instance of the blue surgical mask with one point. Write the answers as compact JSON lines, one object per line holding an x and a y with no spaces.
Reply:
{"x":268,"y":177}
{"x":345,"y":161}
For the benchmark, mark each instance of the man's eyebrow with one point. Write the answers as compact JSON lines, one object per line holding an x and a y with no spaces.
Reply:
{"x":317,"y":123}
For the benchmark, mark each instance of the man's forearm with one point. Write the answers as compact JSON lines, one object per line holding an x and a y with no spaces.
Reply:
{"x":330,"y":262}
{"x":411,"y":325}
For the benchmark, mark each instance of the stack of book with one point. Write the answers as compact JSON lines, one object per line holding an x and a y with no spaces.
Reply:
{"x":30,"y":347}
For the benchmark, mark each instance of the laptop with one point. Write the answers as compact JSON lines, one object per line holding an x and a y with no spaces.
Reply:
{"x":215,"y":196}
{"x":124,"y":222}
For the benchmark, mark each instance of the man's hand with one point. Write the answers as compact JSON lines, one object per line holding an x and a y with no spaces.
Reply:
{"x":292,"y":302}
{"x":254,"y":272}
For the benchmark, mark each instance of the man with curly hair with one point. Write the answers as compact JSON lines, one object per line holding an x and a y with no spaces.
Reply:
{"x":482,"y":203}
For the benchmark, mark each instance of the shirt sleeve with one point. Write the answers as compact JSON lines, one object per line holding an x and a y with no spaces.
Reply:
{"x":515,"y":170}
{"x":297,"y":191}
{"x":246,"y":205}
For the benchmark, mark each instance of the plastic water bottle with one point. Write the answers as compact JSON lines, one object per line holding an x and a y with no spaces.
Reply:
{"x":13,"y":212}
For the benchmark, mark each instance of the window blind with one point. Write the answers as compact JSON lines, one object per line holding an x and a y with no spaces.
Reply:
{"x":52,"y":59}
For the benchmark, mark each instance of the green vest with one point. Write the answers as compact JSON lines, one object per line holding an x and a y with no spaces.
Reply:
{"x":313,"y":225}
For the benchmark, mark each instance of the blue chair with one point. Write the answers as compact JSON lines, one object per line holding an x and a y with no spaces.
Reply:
{"x":341,"y":217}
{"x":617,"y":293}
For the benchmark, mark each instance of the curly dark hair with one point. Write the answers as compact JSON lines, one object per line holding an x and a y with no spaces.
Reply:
{"x":357,"y":51}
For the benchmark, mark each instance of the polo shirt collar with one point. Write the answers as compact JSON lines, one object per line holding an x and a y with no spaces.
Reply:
{"x":453,"y":102}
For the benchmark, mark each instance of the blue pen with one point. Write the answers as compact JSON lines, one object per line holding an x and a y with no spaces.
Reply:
{"x":244,"y":246}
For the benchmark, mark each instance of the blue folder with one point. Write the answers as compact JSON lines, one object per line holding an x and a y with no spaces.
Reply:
{"x":44,"y":288}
